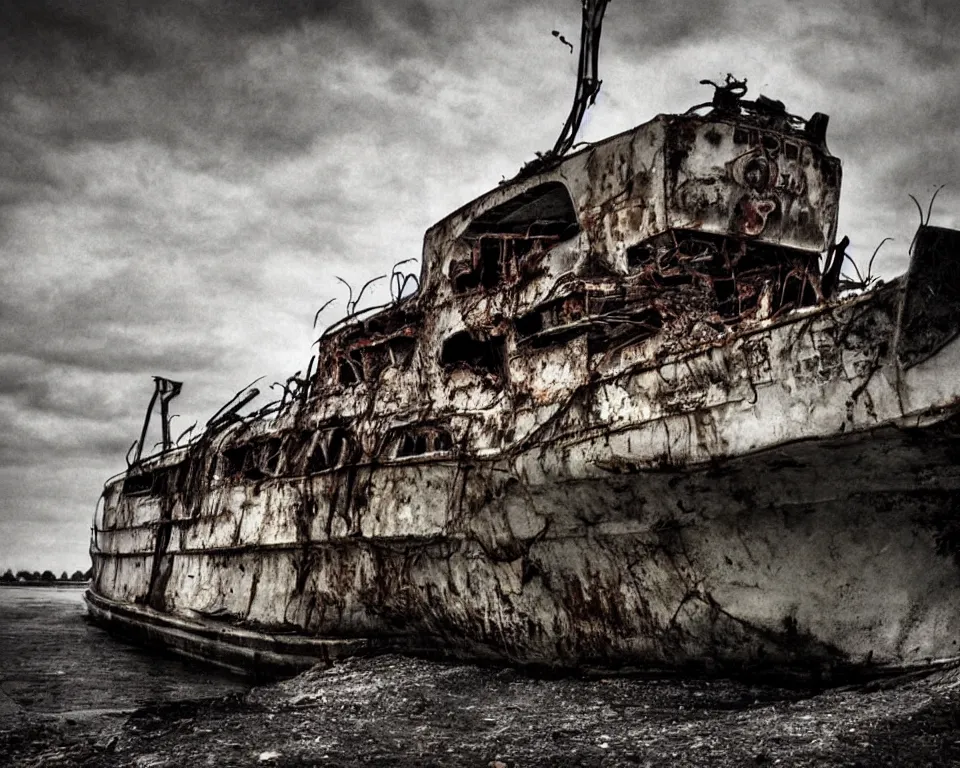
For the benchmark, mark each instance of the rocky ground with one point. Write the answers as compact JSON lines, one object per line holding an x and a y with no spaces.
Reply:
{"x":392,"y":711}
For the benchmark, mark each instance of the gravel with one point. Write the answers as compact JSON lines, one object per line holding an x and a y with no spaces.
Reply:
{"x":395,"y":711}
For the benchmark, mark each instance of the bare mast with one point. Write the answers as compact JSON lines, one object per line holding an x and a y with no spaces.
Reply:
{"x":588,"y":86}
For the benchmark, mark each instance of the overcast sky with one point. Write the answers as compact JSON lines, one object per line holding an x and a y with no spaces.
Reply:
{"x":180,"y":180}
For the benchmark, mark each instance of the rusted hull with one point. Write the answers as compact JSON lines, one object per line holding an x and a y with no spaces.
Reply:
{"x":241,"y":651}
{"x":846,"y":562}
{"x":803,"y":523}
{"x":841,"y":561}
{"x":770,"y":489}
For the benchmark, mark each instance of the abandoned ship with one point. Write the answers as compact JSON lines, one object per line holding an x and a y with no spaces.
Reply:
{"x":632,"y":417}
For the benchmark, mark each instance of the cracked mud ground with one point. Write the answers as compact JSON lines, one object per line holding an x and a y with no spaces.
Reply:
{"x":390,"y":711}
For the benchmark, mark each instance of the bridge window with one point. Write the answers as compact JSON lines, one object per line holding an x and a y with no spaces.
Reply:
{"x":423,"y":440}
{"x":513,"y":236}
{"x":159,"y":481}
{"x":138,"y":485}
{"x":464,"y":350}
{"x":544,"y":210}
{"x":333,"y":448}
{"x":253,"y":461}
{"x":367,"y":362}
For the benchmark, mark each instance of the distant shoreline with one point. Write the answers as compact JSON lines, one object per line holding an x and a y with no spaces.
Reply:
{"x":75,"y":584}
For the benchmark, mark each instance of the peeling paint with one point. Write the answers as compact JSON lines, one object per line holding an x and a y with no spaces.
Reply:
{"x":621,"y":423}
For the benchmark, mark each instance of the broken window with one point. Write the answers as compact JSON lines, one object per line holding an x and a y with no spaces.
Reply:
{"x":545,"y":209}
{"x":412,"y":445}
{"x":237,"y":460}
{"x":608,"y":319}
{"x":637,"y":256}
{"x":253,"y":461}
{"x":529,"y":324}
{"x":332,"y":448}
{"x":499,"y":259}
{"x":158,"y":482}
{"x":510,"y":239}
{"x":351,"y":368}
{"x":553,"y":323}
{"x":623,"y":328}
{"x":138,"y":485}
{"x":268,"y":458}
{"x":743,"y":135}
{"x":367,"y":361}
{"x":491,"y":261}
{"x":401,"y":350}
{"x":686,"y":270}
{"x":375,"y":359}
{"x":421,"y":440}
{"x":464,"y":350}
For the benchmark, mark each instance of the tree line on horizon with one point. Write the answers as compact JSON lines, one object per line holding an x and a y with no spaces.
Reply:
{"x":47,"y":577}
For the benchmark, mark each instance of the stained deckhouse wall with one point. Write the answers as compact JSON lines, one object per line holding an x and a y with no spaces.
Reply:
{"x":619,"y":178}
{"x":674,"y":172}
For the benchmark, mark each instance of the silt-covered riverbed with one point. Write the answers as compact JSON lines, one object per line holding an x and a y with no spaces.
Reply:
{"x":391,"y":711}
{"x":72,"y":696}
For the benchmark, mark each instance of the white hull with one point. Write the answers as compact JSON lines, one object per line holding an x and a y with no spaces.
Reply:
{"x":784,"y":500}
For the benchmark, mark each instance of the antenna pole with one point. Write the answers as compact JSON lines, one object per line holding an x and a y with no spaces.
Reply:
{"x":588,"y":83}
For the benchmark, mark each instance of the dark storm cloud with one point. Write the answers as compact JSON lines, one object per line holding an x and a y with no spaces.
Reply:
{"x":923,"y":145}
{"x":67,"y":354}
{"x":179,"y":181}
{"x":684,"y":21}
{"x":21,"y":163}
{"x":928,"y":29}
{"x":92,"y":36}
{"x":34,"y":391}
{"x":18,"y":376}
{"x":178,"y":74}
{"x":50,"y":425}
{"x":115,"y":352}
{"x":141,"y":37}
{"x":889,"y":68}
{"x":176,"y":176}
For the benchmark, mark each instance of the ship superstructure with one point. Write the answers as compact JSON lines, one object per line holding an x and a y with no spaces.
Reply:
{"x":629,"y":418}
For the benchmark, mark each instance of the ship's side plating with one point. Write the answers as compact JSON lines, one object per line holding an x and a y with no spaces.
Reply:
{"x":620,"y":423}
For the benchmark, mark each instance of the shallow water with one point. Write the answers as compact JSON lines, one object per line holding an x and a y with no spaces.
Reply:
{"x":390,"y":711}
{"x":53,"y":660}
